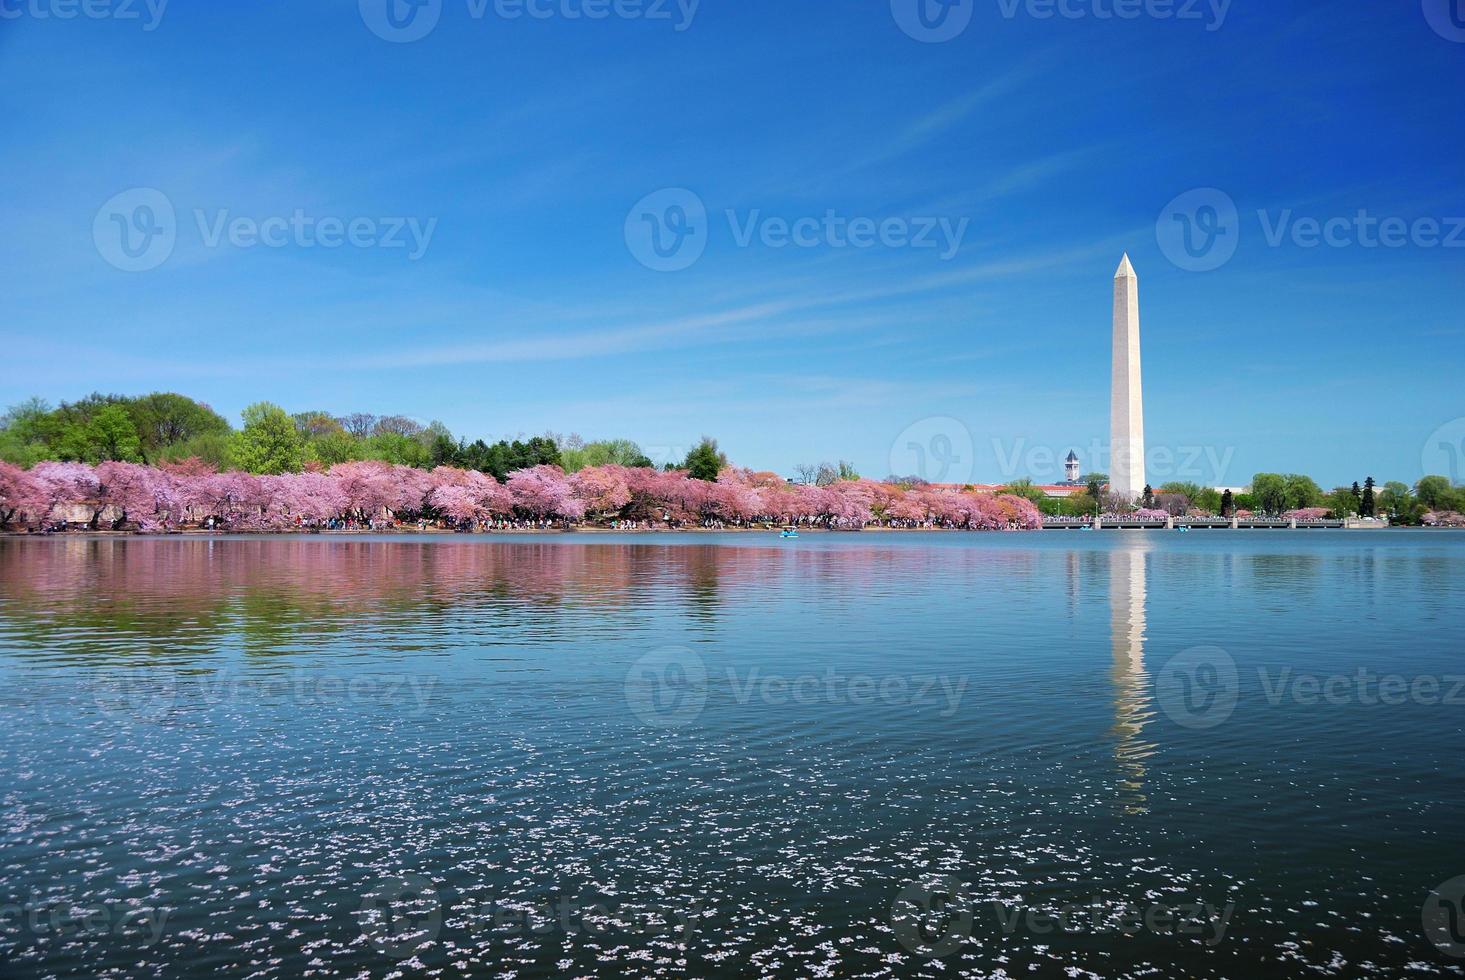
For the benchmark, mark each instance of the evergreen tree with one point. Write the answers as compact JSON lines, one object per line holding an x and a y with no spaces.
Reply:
{"x":1228,"y":504}
{"x":1148,"y":500}
{"x":1367,"y":507}
{"x":704,"y":462}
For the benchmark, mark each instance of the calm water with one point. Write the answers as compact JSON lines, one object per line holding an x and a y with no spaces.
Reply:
{"x":732,"y":756}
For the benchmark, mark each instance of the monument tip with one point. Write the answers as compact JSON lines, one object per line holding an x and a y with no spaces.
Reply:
{"x":1126,"y":271}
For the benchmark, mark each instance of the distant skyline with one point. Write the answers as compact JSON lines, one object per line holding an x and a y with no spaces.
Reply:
{"x":810,"y":235}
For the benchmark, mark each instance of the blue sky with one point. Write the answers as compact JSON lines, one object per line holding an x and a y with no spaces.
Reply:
{"x":524,"y":145}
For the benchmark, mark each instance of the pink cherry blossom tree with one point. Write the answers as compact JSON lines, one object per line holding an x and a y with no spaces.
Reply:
{"x":543,"y":492}
{"x":21,"y":496}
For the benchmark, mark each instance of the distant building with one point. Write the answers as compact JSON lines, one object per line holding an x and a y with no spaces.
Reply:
{"x":1070,"y":467}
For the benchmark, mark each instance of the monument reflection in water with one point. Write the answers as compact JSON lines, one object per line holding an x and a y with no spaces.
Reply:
{"x":1128,"y":575}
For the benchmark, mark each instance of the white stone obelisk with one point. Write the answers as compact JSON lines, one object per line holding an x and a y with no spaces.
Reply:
{"x":1126,"y":408}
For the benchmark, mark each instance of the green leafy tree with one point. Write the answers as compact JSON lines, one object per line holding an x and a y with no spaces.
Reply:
{"x":1208,"y":500}
{"x":1394,"y":497}
{"x":213,"y":448}
{"x":315,"y":425}
{"x":704,"y":462}
{"x":444,"y":451}
{"x":1184,"y":488}
{"x":164,"y":418}
{"x":112,"y":434}
{"x":396,"y":448}
{"x":1434,"y":492}
{"x":1341,"y":503}
{"x":1302,"y":491}
{"x":1026,"y":489}
{"x":335,"y":447}
{"x":619,"y":452}
{"x":269,"y":441}
{"x":1269,"y":490}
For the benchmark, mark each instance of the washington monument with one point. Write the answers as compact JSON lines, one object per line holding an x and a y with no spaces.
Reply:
{"x":1126,"y":407}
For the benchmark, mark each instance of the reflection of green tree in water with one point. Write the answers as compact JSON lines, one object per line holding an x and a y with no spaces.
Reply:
{"x":700,"y":567}
{"x":1287,"y":573}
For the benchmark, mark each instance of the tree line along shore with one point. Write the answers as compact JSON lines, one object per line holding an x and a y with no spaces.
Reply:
{"x":164,"y":461}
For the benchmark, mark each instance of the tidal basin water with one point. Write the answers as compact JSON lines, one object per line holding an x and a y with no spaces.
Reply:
{"x":1215,"y":754}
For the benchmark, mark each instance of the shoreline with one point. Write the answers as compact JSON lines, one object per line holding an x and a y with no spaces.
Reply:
{"x":536,"y":532}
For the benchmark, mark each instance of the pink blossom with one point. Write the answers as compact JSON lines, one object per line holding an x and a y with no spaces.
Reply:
{"x":20,"y":495}
{"x":544,"y":492}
